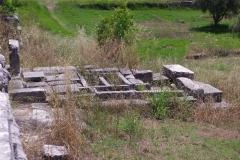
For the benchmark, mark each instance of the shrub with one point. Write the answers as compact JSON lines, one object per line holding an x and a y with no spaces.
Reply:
{"x":9,"y":6}
{"x":117,"y":27}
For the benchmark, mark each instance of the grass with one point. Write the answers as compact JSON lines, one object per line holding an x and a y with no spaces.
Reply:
{"x":126,"y":132}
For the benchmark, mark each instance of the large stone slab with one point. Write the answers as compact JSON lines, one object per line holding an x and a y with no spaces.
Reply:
{"x":210,"y":92}
{"x":125,"y":71}
{"x":159,"y":79}
{"x":62,"y":89}
{"x":28,"y":94}
{"x":174,"y":71}
{"x":63,"y":77}
{"x":33,"y":76}
{"x":143,"y":75}
{"x":190,"y":87}
{"x":36,"y":84}
{"x":113,"y":88}
{"x":103,"y":70}
{"x":55,"y":70}
{"x":52,"y":152}
{"x":124,"y":80}
{"x":103,"y":81}
{"x":115,"y":94}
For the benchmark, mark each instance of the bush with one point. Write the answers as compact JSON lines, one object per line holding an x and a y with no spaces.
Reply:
{"x":9,"y":6}
{"x":117,"y":27}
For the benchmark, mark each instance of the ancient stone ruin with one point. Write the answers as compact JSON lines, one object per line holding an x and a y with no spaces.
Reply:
{"x":35,"y":87}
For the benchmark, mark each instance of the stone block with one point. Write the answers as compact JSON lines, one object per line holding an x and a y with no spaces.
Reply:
{"x":125,"y":71}
{"x":135,"y":81}
{"x":124,"y":80}
{"x":190,"y":87}
{"x":36,"y":84}
{"x":55,"y":70}
{"x":33,"y":76}
{"x":115,"y":94}
{"x":28,"y":94}
{"x":55,"y":83}
{"x":159,"y":79}
{"x":51,"y":152}
{"x":174,"y":71}
{"x":143,"y":75}
{"x":130,"y":76}
{"x":103,"y":70}
{"x":13,"y":43}
{"x":15,"y":84}
{"x":113,"y":88}
{"x":62,"y":89}
{"x":103,"y":81}
{"x":63,"y":77}
{"x":210,"y":92}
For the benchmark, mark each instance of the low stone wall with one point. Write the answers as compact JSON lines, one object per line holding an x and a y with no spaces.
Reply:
{"x":10,"y":144}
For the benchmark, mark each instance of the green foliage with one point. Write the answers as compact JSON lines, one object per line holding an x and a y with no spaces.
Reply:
{"x":117,"y":27}
{"x":218,"y":8}
{"x":160,"y":105}
{"x":235,"y":26}
{"x":9,"y":6}
{"x":131,"y":125}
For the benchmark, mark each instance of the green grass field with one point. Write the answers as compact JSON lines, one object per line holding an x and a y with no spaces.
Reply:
{"x":164,"y":32}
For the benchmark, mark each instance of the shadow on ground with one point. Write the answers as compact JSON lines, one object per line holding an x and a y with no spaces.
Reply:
{"x":220,"y":29}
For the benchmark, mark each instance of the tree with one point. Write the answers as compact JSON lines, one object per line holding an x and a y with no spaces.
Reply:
{"x":218,"y":8}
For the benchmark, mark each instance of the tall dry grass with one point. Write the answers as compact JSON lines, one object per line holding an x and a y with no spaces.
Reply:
{"x":45,"y":49}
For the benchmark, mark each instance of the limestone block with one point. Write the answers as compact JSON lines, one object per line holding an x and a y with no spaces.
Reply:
{"x":28,"y":94}
{"x":103,"y":81}
{"x":36,"y":84}
{"x":190,"y":87}
{"x":51,"y":152}
{"x":144,"y":75}
{"x":174,"y":71}
{"x":159,"y":79}
{"x":62,"y":89}
{"x":115,"y":94}
{"x":33,"y":76}
{"x":125,"y":71}
{"x":130,"y":76}
{"x":56,"y":70}
{"x":210,"y":92}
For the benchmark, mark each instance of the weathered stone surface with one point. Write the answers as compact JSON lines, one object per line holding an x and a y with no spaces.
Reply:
{"x":113,"y":88}
{"x":174,"y":71}
{"x":63,"y":77}
{"x":143,"y":86}
{"x":13,"y":18}
{"x":144,"y":75}
{"x":28,"y":94}
{"x":125,"y":71}
{"x":159,"y":79}
{"x":15,"y":84}
{"x":62,"y":89}
{"x":115,"y":94}
{"x":103,"y":81}
{"x":210,"y":92}
{"x":36,"y":84}
{"x":56,"y":70}
{"x":42,"y":117}
{"x":135,"y":81}
{"x":4,"y":75}
{"x":130,"y":76}
{"x":124,"y":80}
{"x":51,"y":152}
{"x":103,"y":70}
{"x":14,"y":57}
{"x":33,"y":76}
{"x":129,"y":102}
{"x":5,"y":134}
{"x":190,"y":87}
